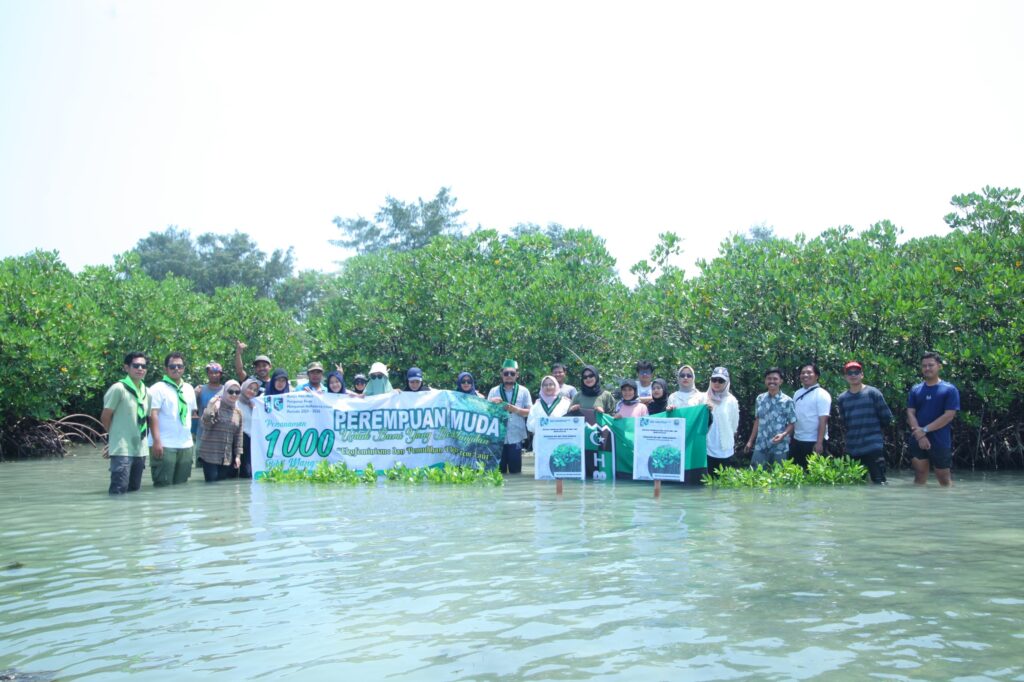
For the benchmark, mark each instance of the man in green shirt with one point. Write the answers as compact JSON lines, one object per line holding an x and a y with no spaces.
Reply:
{"x":126,"y":419}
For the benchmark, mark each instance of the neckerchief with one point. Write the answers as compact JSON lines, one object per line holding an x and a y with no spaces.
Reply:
{"x":549,"y":410}
{"x":515,"y":394}
{"x":139,"y":393}
{"x":182,"y":404}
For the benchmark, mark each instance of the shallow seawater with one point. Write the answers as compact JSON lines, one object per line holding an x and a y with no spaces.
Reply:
{"x":242,"y":581}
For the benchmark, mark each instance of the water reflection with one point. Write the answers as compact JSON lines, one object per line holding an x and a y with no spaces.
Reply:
{"x":303,"y":582}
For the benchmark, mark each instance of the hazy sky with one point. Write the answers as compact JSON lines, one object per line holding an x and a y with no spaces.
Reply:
{"x":121,"y":118}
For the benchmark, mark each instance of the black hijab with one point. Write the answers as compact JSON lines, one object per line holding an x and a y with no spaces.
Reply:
{"x":659,"y":405}
{"x":584,"y":389}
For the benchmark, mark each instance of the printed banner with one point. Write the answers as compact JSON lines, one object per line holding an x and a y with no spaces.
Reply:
{"x":558,"y":448}
{"x":302,"y":429}
{"x":658,"y":447}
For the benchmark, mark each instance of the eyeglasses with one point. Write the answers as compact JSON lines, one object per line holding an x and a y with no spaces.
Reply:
{"x":233,"y":391}
{"x":465,"y":381}
{"x":511,"y":373}
{"x":685,"y":376}
{"x":138,"y":365}
{"x":717,"y":380}
{"x":588,"y":376}
{"x":644,"y":373}
{"x":178,"y":366}
{"x":853,"y":372}
{"x":378,"y":375}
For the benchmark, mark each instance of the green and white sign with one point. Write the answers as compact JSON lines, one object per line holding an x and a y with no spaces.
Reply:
{"x":558,"y":447}
{"x":300,"y":430}
{"x":658,"y":448}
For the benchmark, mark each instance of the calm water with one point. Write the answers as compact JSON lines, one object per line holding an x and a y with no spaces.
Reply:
{"x":234,"y":581}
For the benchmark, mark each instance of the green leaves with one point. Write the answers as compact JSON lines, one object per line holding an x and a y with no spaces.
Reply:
{"x":327,"y":473}
{"x":788,"y":474}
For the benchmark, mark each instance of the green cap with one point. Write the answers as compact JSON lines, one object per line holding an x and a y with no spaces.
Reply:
{"x":510,"y":364}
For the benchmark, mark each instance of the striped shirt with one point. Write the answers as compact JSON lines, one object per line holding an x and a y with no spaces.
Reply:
{"x":865,"y":415}
{"x":222,"y":438}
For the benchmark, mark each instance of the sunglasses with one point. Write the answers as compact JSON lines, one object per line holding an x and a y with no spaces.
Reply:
{"x":588,"y":376}
{"x":465,"y":381}
{"x":377,"y":376}
{"x":138,"y":365}
{"x":717,"y":380}
{"x":233,"y":391}
{"x":509,"y":374}
{"x":176,"y":366}
{"x":685,"y":376}
{"x":853,"y":372}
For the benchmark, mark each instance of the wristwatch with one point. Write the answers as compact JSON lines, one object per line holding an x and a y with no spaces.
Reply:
{"x":925,"y":429}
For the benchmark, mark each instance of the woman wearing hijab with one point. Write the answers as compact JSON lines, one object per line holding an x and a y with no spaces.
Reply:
{"x":414,"y":381}
{"x":630,"y":405}
{"x":659,"y":397}
{"x":220,"y":451}
{"x":250,"y":392}
{"x":378,"y":384}
{"x":687,"y":395}
{"x":279,"y":383}
{"x":591,"y":396}
{"x":465,"y":383}
{"x":550,"y":403}
{"x":725,"y":419}
{"x":335,"y":382}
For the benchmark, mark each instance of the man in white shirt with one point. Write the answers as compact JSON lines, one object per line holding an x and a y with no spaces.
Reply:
{"x":172,"y":409}
{"x":813,"y":406}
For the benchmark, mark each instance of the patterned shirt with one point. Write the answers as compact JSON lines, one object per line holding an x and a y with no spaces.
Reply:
{"x":773,"y":415}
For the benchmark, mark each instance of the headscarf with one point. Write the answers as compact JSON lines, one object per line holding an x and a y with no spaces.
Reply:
{"x":659,"y":405}
{"x":631,"y":383}
{"x":222,"y":405}
{"x":271,"y":390}
{"x":378,"y":386}
{"x":586,"y":390}
{"x":716,"y":397}
{"x":246,"y":400}
{"x":355,"y":380}
{"x":692,"y":390}
{"x":472,"y":381}
{"x":340,"y":377}
{"x":549,"y":400}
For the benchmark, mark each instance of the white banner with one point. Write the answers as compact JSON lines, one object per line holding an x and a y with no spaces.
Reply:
{"x":658,"y":448}
{"x":558,"y":448}
{"x":302,"y":429}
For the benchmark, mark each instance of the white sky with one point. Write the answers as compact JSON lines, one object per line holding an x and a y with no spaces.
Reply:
{"x":121,"y":118}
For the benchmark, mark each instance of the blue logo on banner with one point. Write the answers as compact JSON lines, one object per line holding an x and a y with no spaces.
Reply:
{"x":278,"y":403}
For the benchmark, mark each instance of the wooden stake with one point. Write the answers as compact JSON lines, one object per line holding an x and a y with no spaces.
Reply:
{"x":558,"y":486}
{"x":657,"y":488}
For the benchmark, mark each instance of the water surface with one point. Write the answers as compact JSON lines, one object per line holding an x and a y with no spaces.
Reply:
{"x":241,"y":581}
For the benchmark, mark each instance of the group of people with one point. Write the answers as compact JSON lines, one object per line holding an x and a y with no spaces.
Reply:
{"x":175,"y":423}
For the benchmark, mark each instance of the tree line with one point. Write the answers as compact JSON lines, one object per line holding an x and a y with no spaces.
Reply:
{"x":422,"y":291}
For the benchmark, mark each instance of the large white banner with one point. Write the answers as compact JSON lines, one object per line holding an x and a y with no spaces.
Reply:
{"x":558,"y":448}
{"x":302,"y":429}
{"x":658,"y":447}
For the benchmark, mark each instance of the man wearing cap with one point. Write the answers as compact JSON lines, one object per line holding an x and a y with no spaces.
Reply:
{"x":261,"y":367}
{"x":172,"y":411}
{"x":931,"y":406}
{"x":315,"y":373}
{"x":517,"y":403}
{"x":865,"y":414}
{"x":813,"y":405}
{"x":204,"y":394}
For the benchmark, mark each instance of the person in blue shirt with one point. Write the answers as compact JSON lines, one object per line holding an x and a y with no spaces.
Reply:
{"x":931,"y":407}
